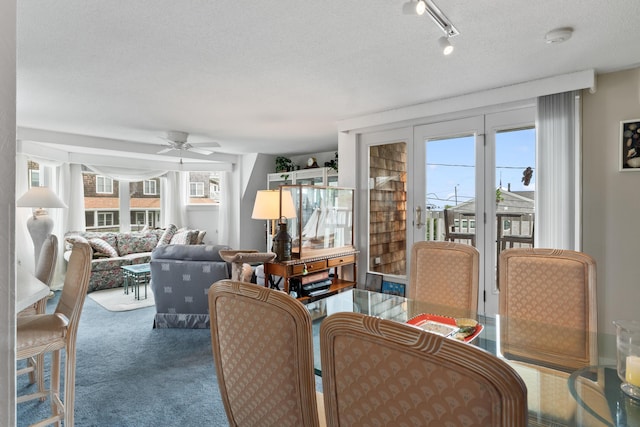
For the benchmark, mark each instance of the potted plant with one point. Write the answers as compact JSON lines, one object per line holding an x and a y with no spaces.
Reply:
{"x":284,"y":164}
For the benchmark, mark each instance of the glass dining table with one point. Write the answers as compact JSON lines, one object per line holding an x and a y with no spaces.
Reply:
{"x":589,"y":396}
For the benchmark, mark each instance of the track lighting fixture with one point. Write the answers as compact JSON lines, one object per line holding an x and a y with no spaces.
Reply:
{"x":445,"y":45}
{"x":420,"y":7}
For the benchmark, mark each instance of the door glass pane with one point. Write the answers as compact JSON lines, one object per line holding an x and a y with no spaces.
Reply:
{"x":515,"y":192}
{"x":450,"y":183}
{"x":388,"y":208}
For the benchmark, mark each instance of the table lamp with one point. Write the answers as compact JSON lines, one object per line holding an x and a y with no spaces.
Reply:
{"x":39,"y":224}
{"x":267,"y":207}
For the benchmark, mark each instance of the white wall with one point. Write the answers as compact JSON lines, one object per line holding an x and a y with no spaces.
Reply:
{"x":611,"y":199}
{"x":7,"y":209}
{"x":253,"y":232}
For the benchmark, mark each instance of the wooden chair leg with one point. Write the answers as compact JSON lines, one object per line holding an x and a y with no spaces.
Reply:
{"x":55,"y":385}
{"x":40,"y":375}
{"x":69,"y":385}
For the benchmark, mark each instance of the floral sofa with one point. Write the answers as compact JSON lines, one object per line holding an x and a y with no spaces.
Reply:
{"x":112,"y":250}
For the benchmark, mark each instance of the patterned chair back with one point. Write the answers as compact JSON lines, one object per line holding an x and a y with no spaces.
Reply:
{"x":263,"y":353}
{"x":382,"y":372}
{"x":445,"y":273}
{"x":555,"y":288}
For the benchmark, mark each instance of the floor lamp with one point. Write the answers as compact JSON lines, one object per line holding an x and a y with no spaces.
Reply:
{"x":39,"y":224}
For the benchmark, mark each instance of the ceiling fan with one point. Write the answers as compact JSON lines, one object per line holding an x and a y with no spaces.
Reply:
{"x":177,"y":140}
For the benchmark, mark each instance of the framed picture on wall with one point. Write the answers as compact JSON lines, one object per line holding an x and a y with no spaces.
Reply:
{"x":629,"y":156}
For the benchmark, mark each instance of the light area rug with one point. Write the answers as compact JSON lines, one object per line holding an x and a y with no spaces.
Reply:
{"x":116,"y":300}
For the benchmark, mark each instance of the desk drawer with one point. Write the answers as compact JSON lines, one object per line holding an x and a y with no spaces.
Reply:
{"x":311,"y":267}
{"x":334,"y":262}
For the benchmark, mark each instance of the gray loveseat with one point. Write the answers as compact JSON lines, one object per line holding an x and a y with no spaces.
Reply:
{"x":180,"y":279}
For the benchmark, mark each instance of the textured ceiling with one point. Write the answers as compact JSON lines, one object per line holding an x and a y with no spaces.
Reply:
{"x":275,"y":76}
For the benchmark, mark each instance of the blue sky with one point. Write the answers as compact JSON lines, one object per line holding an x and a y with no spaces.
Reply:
{"x":451,"y":171}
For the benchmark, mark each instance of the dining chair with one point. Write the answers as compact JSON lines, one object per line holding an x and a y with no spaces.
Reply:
{"x":548,"y":307}
{"x":262,"y":347}
{"x":44,"y":272}
{"x":386,"y":373}
{"x":43,"y":333}
{"x":445,"y":273}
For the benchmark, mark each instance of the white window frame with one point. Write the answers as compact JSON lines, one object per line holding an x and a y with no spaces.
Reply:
{"x":199,"y":189}
{"x":34,"y":173}
{"x":149,"y":187}
{"x":105,"y":180}
{"x":108,"y":219}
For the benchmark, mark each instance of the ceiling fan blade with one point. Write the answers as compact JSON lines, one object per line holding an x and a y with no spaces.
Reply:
{"x":165,"y":150}
{"x":209,"y":144}
{"x":200,"y":151}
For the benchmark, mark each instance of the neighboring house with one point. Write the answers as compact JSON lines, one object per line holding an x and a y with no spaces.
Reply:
{"x":102,"y":202}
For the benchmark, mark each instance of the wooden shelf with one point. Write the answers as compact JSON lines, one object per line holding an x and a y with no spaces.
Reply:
{"x":299,"y":268}
{"x":336,"y":287}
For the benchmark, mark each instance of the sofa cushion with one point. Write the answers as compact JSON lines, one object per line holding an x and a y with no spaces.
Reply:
{"x":99,"y":245}
{"x":102,"y":264}
{"x":168,"y":233}
{"x":189,"y":252}
{"x":132,"y":243}
{"x":139,"y":258}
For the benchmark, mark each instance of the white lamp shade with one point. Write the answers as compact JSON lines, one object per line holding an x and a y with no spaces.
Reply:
{"x":267,"y":205}
{"x":40,"y":197}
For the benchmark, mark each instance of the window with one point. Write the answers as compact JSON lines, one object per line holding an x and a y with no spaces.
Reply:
{"x":196,"y":189}
{"x":105,"y":219}
{"x":204,"y":188}
{"x":104,"y":185}
{"x":150,"y":187}
{"x":103,"y":213}
{"x":34,"y":178}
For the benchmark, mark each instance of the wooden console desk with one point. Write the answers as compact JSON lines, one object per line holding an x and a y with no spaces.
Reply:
{"x":297,"y":267}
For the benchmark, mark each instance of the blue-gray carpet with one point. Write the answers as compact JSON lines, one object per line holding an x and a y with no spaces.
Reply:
{"x":129,"y":374}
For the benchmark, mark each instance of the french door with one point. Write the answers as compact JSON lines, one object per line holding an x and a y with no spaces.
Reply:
{"x":468,"y":187}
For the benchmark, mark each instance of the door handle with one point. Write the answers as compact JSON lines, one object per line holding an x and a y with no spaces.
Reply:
{"x":418,"y":220}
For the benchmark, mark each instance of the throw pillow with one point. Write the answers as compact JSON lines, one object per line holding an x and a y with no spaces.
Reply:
{"x":168,"y":234}
{"x":76,"y":238}
{"x":101,"y":246}
{"x":182,"y":238}
{"x":200,"y":239}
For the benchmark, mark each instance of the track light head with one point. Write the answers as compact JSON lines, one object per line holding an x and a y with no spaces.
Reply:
{"x":421,"y":7}
{"x":445,"y":45}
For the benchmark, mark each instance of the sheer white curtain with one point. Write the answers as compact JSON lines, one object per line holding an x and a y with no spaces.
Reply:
{"x":224,"y":213}
{"x":558,"y":182}
{"x":173,"y":198}
{"x":124,"y":174}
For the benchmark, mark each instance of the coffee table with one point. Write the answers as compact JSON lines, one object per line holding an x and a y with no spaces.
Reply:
{"x":136,"y":275}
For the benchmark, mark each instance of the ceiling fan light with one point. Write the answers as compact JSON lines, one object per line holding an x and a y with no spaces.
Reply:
{"x":445,"y":45}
